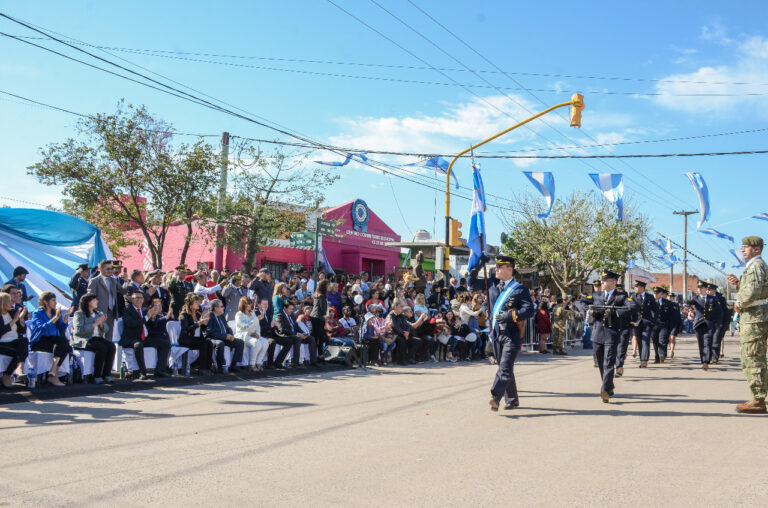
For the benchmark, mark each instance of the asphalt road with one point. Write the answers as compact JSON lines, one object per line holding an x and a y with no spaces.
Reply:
{"x":417,"y":436}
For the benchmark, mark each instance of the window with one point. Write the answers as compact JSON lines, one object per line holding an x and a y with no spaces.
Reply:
{"x":275,"y":268}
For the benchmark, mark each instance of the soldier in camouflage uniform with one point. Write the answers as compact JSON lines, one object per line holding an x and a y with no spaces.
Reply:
{"x":752,"y":304}
{"x":560,"y":320}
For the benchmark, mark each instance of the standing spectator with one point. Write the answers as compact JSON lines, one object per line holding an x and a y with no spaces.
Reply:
{"x":334,"y":297}
{"x":193,"y":326}
{"x":232,"y":294}
{"x":221,"y":335}
{"x":280,"y":296}
{"x":178,"y":288}
{"x":153,"y":288}
{"x":543,"y":326}
{"x":79,"y":283}
{"x":248,"y":329}
{"x":108,"y":291}
{"x":12,"y":341}
{"x":19,"y":274}
{"x":418,"y":344}
{"x":374,"y":300}
{"x":262,"y":290}
{"x":318,"y":315}
{"x":89,"y":332}
{"x":135,"y":284}
{"x":560,"y":318}
{"x":302,"y":294}
{"x":48,"y":333}
{"x":203,"y":290}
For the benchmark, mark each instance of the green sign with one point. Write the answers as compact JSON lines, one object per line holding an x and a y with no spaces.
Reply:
{"x":302,"y":239}
{"x":326,"y":227}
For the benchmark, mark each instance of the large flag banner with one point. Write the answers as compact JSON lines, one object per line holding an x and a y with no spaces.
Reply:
{"x":700,"y":186}
{"x":438,"y":164}
{"x":612,"y":187}
{"x":713,"y":232}
{"x":326,"y":264}
{"x":477,"y":220}
{"x":545,"y":183}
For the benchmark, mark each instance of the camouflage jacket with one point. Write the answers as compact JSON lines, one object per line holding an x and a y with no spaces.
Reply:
{"x":752,"y":297}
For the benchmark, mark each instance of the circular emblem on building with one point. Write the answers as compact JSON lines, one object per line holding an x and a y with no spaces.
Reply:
{"x":360,"y":215}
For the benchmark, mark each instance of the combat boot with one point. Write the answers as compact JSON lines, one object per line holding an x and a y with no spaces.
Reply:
{"x":754,"y":406}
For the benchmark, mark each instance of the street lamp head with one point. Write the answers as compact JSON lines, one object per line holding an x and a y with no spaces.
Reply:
{"x":577,"y":106}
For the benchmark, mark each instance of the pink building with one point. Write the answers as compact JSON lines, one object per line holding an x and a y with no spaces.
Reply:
{"x":360,"y":245}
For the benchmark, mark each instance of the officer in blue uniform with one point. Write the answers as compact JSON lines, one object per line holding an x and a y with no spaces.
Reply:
{"x":666,"y":323}
{"x":707,"y":317}
{"x":722,"y":326}
{"x":607,"y":327}
{"x":679,"y":324}
{"x":624,"y":336}
{"x":79,"y":283}
{"x":646,"y":321}
{"x":510,"y":304}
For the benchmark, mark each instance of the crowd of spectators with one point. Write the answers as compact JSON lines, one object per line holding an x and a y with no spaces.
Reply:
{"x":411,"y":320}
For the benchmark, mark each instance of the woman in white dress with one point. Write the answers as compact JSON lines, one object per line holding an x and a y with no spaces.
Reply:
{"x":247,"y":329}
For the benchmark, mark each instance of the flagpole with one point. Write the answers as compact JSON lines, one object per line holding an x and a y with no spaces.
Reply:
{"x":485,"y":278}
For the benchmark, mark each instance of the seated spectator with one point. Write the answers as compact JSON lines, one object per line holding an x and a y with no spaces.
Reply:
{"x":12,"y":340}
{"x":89,"y":332}
{"x":449,"y":334}
{"x":248,"y":329}
{"x":79,"y":283}
{"x":334,"y":297}
{"x":420,"y":306}
{"x":287,"y":329}
{"x":19,"y":275}
{"x":368,"y":338}
{"x":418,"y":343}
{"x":302,"y":294}
{"x":135,"y":284}
{"x":221,"y":336}
{"x":48,"y":333}
{"x":193,"y":325}
{"x":136,"y":336}
{"x":304,"y":321}
{"x":351,"y":328}
{"x":157,"y":334}
{"x":374,"y":300}
{"x":332,"y":327}
{"x":407,"y":343}
{"x":231,"y":295}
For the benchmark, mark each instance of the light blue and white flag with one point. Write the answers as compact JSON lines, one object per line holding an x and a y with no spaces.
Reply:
{"x":720,"y":264}
{"x":666,"y":260}
{"x":713,"y":232}
{"x":631,"y":264}
{"x":763,"y":216}
{"x":739,"y":257}
{"x":438,"y":164}
{"x":545,"y":183}
{"x":659,"y":245}
{"x":326,"y":263}
{"x":363,"y":156}
{"x":700,"y":186}
{"x":671,"y":251}
{"x":612,"y":187}
{"x":477,"y":221}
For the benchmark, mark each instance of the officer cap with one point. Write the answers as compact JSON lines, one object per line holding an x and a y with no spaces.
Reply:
{"x":619,"y":286}
{"x":701,"y":284}
{"x":154,"y":272}
{"x":659,"y":289}
{"x":182,"y":267}
{"x":711,"y":286}
{"x":117,"y":263}
{"x":264,"y":270}
{"x":671,"y":295}
{"x":607,"y":274}
{"x":597,"y":282}
{"x":640,"y":283}
{"x":84,"y":266}
{"x":501,"y":259}
{"x":752,"y":241}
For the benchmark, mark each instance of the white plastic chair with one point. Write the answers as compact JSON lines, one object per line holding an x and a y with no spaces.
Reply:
{"x":4,"y":362}
{"x":177,"y":352}
{"x":86,"y":359}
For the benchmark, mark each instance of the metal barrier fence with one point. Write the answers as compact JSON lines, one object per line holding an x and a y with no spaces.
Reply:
{"x":573,"y":333}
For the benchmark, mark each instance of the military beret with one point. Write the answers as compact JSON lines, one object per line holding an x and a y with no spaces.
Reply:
{"x":504,"y":260}
{"x":752,"y":241}
{"x":640,"y":283}
{"x":659,"y":289}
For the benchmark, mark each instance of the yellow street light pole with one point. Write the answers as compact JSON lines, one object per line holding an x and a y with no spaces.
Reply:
{"x":577,"y":105}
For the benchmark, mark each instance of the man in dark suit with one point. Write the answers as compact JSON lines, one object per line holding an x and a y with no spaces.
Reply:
{"x":625,"y":335}
{"x":648,"y":318}
{"x":221,"y":335}
{"x":722,"y":326}
{"x":153,"y":289}
{"x":262,"y":290}
{"x":607,"y":326}
{"x":707,"y":318}
{"x":665,"y":325}
{"x":137,"y":322}
{"x":286,"y":328}
{"x":108,"y":291}
{"x":135,"y":285}
{"x":510,"y":306}
{"x":79,"y":283}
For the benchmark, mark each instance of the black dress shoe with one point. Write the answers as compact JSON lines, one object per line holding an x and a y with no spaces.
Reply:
{"x":160,"y":373}
{"x":278,"y":366}
{"x":316,"y":365}
{"x":511,"y":405}
{"x":494,"y":402}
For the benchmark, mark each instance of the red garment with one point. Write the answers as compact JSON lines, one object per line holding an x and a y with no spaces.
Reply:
{"x":210,"y":284}
{"x":543,"y":323}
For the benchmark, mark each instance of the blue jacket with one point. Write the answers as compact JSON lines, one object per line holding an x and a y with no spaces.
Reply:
{"x":42,"y":326}
{"x":607,"y":324}
{"x":522,"y":307}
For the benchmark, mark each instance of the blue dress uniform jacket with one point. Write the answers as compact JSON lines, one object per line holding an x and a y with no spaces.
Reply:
{"x":707,"y":312}
{"x":522,"y":307}
{"x":607,"y":325}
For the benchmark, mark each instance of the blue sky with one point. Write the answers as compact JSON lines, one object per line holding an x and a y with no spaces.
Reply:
{"x":546,"y":44}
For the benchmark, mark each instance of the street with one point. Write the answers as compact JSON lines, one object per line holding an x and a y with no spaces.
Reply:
{"x":417,"y":436}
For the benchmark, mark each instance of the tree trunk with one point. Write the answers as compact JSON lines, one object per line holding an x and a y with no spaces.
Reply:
{"x":187,"y":239}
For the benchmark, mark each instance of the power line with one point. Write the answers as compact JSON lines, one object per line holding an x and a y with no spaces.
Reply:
{"x":712,"y":265}
{"x":406,"y":67}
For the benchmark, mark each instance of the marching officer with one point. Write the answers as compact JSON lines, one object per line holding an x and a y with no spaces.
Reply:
{"x":666,"y":324}
{"x":722,"y":325}
{"x":511,"y":305}
{"x":648,"y":311}
{"x":607,"y":326}
{"x":676,"y":331}
{"x":624,"y":336}
{"x":752,"y":305}
{"x":708,"y":315}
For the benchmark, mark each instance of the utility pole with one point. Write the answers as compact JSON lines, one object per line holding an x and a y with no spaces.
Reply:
{"x":685,"y":250}
{"x":218,"y":260}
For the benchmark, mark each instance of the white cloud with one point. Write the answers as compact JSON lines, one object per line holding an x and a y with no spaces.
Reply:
{"x":715,"y":33}
{"x":721,"y":89}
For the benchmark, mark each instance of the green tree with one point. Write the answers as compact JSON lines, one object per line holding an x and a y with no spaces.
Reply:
{"x":271,"y":195}
{"x":121,"y":173}
{"x":580,"y":235}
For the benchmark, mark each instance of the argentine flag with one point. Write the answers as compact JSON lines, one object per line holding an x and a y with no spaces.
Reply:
{"x":700,"y":186}
{"x":545,"y":183}
{"x":714,"y":232}
{"x":477,"y":221}
{"x":612,"y":187}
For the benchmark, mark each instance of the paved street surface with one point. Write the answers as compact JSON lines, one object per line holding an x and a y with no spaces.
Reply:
{"x":421,"y":436}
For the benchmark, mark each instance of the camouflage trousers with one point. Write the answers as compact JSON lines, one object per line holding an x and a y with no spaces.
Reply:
{"x":754,"y":337}
{"x":558,"y":337}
